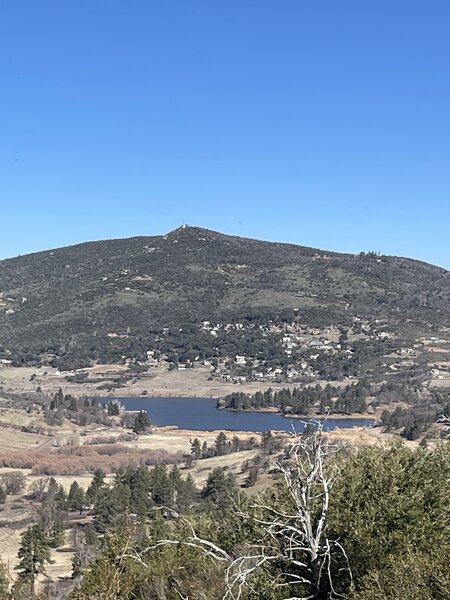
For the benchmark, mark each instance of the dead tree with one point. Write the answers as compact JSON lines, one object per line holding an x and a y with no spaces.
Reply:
{"x":294,"y":531}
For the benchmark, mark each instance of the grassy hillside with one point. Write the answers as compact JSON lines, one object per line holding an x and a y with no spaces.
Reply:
{"x":71,"y":298}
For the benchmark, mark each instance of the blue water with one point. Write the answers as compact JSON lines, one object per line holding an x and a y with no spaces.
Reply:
{"x":201,"y":414}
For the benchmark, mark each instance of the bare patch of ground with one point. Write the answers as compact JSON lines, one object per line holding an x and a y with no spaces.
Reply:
{"x":440,"y":380}
{"x":232,"y":462}
{"x":14,"y":440}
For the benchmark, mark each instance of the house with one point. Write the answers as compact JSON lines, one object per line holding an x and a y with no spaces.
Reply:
{"x":257,"y":374}
{"x":240,"y":359}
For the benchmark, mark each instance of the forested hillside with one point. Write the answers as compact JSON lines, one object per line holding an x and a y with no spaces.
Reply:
{"x":70,"y":299}
{"x":365,"y":525}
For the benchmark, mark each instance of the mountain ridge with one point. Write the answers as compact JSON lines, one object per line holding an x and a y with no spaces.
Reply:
{"x":199,"y":230}
{"x":76,"y":295}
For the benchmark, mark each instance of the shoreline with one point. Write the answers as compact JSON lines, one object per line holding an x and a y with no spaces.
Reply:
{"x":320,"y":417}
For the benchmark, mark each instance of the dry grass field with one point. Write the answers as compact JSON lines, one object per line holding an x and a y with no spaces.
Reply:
{"x":19,"y":512}
{"x":158,"y":381}
{"x":12,"y":440}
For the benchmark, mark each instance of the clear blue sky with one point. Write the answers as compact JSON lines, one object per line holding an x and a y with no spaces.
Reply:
{"x":317,"y":122}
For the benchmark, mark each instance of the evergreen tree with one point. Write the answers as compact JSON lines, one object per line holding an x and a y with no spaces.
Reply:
{"x":162,"y":490}
{"x":221,"y":444}
{"x":204,"y":450}
{"x":175,"y":477}
{"x":219,"y":486}
{"x":73,"y":404}
{"x":111,"y":506}
{"x":60,"y":497}
{"x":51,"y":522}
{"x":90,"y":535}
{"x":138,"y":482}
{"x":187,"y":493}
{"x":52,"y":488}
{"x":196,"y":449}
{"x":268,"y":442}
{"x":59,"y":398}
{"x":113,"y":409}
{"x":141,"y":422}
{"x":33,"y":553}
{"x":56,"y":533}
{"x":76,"y":498}
{"x":97,"y":483}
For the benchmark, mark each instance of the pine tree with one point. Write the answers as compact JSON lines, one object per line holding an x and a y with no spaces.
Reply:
{"x":33,"y":553}
{"x":52,"y":488}
{"x":196,"y":449}
{"x":138,"y":482}
{"x":219,"y":486}
{"x":76,"y":497}
{"x":113,"y":409}
{"x":60,"y":497}
{"x":141,"y":422}
{"x":56,"y":534}
{"x":59,"y":398}
{"x":187,"y":493}
{"x":162,"y":491}
{"x":73,"y":405}
{"x":97,"y":483}
{"x":111,"y":506}
{"x":204,"y":450}
{"x":220,"y":443}
{"x":51,"y":522}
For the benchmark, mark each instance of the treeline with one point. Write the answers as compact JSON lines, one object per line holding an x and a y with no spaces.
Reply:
{"x":85,"y":411}
{"x":321,"y":400}
{"x":302,"y":401}
{"x":81,"y":411}
{"x":223,"y":445}
{"x":414,"y":421}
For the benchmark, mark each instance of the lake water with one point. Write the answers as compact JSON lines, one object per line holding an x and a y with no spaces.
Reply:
{"x":201,"y":414}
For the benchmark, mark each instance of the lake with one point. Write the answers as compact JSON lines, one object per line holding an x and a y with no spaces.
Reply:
{"x":201,"y":414}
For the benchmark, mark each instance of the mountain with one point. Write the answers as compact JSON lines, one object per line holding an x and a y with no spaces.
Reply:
{"x":70,"y":299}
